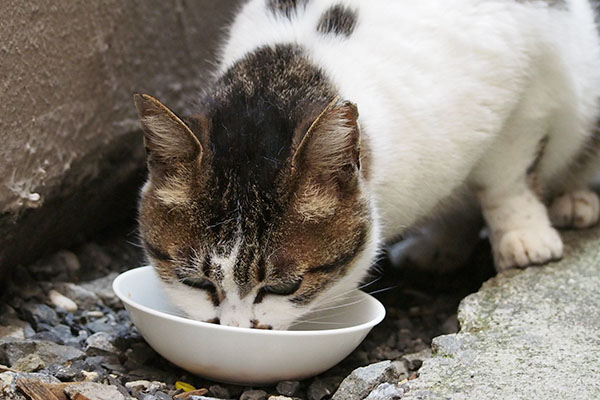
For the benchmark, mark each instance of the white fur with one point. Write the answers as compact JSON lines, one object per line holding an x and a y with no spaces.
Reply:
{"x":451,"y":94}
{"x":437,"y":81}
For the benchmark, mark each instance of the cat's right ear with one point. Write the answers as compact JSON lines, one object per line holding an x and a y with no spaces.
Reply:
{"x":167,"y":138}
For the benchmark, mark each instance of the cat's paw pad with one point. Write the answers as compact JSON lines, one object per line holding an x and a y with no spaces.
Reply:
{"x":579,"y":209}
{"x":523,"y":247}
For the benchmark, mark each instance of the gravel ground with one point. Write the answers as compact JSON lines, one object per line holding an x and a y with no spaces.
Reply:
{"x":61,"y":323}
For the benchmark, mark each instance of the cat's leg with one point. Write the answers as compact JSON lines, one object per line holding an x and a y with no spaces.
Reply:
{"x":520,"y":230}
{"x":441,"y":244}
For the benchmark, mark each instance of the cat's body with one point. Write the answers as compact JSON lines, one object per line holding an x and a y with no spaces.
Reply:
{"x":497,"y":98}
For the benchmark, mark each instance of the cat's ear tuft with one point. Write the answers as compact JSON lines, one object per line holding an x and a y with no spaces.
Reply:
{"x":330,"y":148}
{"x":166,"y":137}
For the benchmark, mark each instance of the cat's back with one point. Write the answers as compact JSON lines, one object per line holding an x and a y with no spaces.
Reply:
{"x":382,"y":25}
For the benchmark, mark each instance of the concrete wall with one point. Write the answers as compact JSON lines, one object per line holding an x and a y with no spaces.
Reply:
{"x":70,"y":147}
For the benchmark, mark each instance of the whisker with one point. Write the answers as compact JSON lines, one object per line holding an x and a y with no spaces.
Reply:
{"x":135,"y":244}
{"x":383,"y":290}
{"x":298,"y":322}
{"x":339,"y":306}
{"x":330,"y":299}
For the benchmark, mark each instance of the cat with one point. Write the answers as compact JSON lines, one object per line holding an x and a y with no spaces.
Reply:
{"x":332,"y":127}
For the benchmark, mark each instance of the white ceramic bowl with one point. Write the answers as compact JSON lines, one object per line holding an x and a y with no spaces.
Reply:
{"x":242,"y":355}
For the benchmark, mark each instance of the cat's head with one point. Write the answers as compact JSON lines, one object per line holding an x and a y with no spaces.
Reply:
{"x":253,"y":218}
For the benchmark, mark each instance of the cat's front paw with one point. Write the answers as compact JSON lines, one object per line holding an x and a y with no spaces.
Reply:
{"x":578,"y":209}
{"x":523,"y":247}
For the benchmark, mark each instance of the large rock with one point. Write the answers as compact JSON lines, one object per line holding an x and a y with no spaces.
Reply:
{"x":532,"y":334}
{"x":71,"y":154}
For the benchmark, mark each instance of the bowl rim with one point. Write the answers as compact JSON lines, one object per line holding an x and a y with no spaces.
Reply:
{"x":377,"y":318}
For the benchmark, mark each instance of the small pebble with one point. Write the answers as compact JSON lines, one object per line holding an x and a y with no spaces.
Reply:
{"x":92,"y":376}
{"x":254,"y":395}
{"x":288,"y":388}
{"x":94,"y":314}
{"x":37,"y":313}
{"x":218,"y":391}
{"x":100,"y":342}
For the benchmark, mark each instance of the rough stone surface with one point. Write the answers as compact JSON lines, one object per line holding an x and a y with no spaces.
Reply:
{"x":363,"y":380}
{"x":11,"y":352}
{"x":99,"y":343}
{"x":94,"y":391}
{"x":386,"y":391}
{"x":532,"y":334}
{"x":71,"y":148}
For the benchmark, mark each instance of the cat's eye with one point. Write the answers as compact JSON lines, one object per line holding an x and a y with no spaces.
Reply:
{"x":198,"y":283}
{"x":283,"y":289}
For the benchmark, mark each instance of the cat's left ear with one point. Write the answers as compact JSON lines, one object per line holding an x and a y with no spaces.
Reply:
{"x":167,"y":138}
{"x":330,"y":148}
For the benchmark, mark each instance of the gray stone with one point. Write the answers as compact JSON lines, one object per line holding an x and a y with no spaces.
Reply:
{"x":37,"y":314}
{"x":386,"y":391}
{"x":527,"y":334}
{"x":11,"y":352}
{"x":102,"y":287}
{"x":8,"y":383}
{"x":363,"y":380}
{"x":85,"y":299}
{"x":162,"y":396}
{"x":60,"y":334}
{"x":68,"y":372}
{"x":11,"y":332}
{"x":218,"y":391}
{"x":29,"y":363}
{"x":94,"y":391}
{"x":288,"y":388}
{"x":254,"y":395}
{"x":100,"y":343}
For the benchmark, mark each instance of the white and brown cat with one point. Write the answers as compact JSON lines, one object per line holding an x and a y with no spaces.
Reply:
{"x":276,"y":197}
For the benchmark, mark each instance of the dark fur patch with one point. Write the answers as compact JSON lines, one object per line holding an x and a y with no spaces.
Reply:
{"x":259,"y":104}
{"x":286,"y":8}
{"x":338,"y":20}
{"x":550,"y":3}
{"x":155,"y":252}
